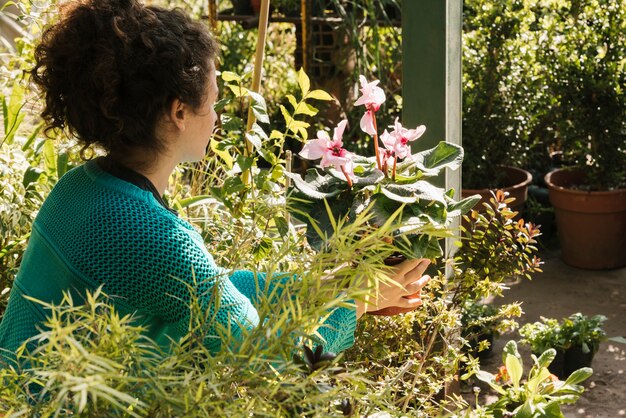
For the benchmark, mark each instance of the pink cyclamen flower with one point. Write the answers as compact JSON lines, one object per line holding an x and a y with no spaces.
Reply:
{"x":330,"y":151}
{"x":372,"y":97}
{"x":398,"y":140}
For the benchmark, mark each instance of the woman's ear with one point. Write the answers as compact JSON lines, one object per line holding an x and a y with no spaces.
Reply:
{"x":178,"y":114}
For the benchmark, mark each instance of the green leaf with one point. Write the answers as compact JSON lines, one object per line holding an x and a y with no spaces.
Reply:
{"x":12,"y":112}
{"x":195,"y":200}
{"x":276,"y":135}
{"x":224,"y":155}
{"x":304,"y":82}
{"x":254,"y":140}
{"x":221,"y":104}
{"x":231,"y":123}
{"x":62,"y":165}
{"x":418,"y":190}
{"x":546,"y":358}
{"x":233,"y":185}
{"x":514,"y":368}
{"x":552,"y":410}
{"x":312,"y":187}
{"x":286,"y":115}
{"x":229,"y":76}
{"x":281,"y":225}
{"x":525,"y":411}
{"x":319,"y":95}
{"x":444,"y":155}
{"x":50,"y":162}
{"x":262,"y":249}
{"x":292,"y":101}
{"x":621,"y":340}
{"x":244,"y":162}
{"x":306,"y":109}
{"x":463,"y":206}
{"x":259,"y":108}
{"x":31,"y":175}
{"x":31,"y":138}
{"x":490,"y":379}
{"x":579,"y":375}
{"x":238,"y":91}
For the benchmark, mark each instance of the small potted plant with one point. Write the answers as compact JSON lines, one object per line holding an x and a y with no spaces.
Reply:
{"x":479,"y":326}
{"x":582,"y":56}
{"x":576,"y":340}
{"x":392,"y":187}
{"x":583,"y":335}
{"x":541,"y":394}
{"x":543,"y":335}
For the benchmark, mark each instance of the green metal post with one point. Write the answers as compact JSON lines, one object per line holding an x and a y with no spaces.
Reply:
{"x":431,"y":73}
{"x":431,"y":76}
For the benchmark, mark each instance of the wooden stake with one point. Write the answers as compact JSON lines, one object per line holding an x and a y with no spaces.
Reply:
{"x":256,"y":75}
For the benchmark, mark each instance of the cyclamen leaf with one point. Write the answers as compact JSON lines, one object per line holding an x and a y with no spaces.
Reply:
{"x":463,"y":206}
{"x":310,"y":189}
{"x":444,"y":155}
{"x":418,"y":190}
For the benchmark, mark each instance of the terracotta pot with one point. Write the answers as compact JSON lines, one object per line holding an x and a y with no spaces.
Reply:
{"x":256,"y":6}
{"x":591,"y":225}
{"x":517,"y":181}
{"x":394,"y":310}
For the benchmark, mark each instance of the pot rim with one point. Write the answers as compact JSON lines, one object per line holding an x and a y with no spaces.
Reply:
{"x":528,"y":178}
{"x":548,"y":178}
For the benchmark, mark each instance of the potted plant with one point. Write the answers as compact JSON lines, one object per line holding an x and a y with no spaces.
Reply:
{"x":479,"y":327}
{"x":543,"y":335}
{"x":541,"y":394}
{"x":392,"y":188}
{"x":576,"y":340}
{"x":583,"y":61}
{"x":491,"y":126}
{"x":583,"y":335}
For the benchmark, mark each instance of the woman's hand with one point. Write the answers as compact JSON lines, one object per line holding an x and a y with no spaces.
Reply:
{"x":403,"y":290}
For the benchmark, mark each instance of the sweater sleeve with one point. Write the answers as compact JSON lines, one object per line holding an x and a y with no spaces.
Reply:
{"x":337,"y":330}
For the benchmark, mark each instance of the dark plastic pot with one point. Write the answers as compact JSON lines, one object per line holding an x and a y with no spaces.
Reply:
{"x":575,"y":359}
{"x":475,"y":341}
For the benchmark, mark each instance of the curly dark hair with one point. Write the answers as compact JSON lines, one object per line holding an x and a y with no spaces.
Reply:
{"x":109,"y":69}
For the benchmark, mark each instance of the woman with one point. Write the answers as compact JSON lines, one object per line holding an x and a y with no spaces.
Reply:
{"x":140,"y":83}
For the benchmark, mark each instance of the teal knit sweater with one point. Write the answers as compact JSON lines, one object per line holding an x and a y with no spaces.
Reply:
{"x":96,"y":229}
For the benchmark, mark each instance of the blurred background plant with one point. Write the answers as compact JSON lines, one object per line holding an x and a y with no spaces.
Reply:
{"x":402,"y":364}
{"x":581,"y":52}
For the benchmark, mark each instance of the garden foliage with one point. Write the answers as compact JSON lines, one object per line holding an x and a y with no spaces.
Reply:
{"x":90,"y":360}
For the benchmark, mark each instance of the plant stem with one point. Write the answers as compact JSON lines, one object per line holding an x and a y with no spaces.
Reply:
{"x":348,"y":179}
{"x":395,"y":164}
{"x":376,"y":140}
